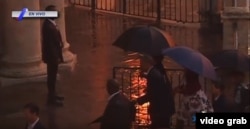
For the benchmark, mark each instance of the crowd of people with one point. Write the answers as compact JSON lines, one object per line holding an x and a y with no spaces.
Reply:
{"x":161,"y":96}
{"x":120,"y":111}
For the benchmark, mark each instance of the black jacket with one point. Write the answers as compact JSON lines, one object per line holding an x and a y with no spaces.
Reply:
{"x":51,"y":43}
{"x":244,"y":97}
{"x":159,"y":93}
{"x":221,"y":104}
{"x":117,"y":114}
{"x":37,"y":126}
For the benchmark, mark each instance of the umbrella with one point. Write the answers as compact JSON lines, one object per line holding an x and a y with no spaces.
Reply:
{"x":145,"y":40}
{"x":231,"y":59}
{"x":192,"y":60}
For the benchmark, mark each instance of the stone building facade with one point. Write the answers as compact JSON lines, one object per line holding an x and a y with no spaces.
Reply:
{"x":20,"y":55}
{"x":236,"y":21}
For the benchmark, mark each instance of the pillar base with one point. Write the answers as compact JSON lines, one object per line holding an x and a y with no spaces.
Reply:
{"x":31,"y":74}
{"x":7,"y":81}
{"x":22,"y":73}
{"x":68,"y":66}
{"x":69,"y":58}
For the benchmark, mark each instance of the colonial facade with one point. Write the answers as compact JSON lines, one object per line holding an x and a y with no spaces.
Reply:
{"x":20,"y":42}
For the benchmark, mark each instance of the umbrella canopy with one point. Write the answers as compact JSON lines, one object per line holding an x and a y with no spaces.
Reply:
{"x":192,"y":60}
{"x":144,"y":39}
{"x":231,"y":59}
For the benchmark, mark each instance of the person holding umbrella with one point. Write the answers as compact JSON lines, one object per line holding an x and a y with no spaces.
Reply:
{"x":234,"y":65}
{"x":158,"y":93}
{"x":221,"y":103}
{"x":194,"y":99}
{"x":150,"y":40}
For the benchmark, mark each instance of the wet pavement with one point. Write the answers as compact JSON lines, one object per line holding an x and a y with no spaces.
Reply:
{"x":84,"y":89}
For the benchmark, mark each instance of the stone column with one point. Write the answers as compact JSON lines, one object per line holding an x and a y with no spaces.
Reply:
{"x":21,"y":58}
{"x":236,"y":25}
{"x":69,"y":58}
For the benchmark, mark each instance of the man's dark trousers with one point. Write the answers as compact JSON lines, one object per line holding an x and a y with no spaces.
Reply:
{"x":52,"y":69}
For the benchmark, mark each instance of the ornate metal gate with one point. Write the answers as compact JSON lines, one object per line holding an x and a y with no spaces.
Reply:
{"x":133,"y":86}
{"x":186,"y":11}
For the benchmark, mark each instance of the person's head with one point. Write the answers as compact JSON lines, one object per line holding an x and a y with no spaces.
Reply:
{"x":192,"y":82}
{"x":191,"y":76}
{"x":112,"y":86}
{"x":52,"y":8}
{"x":146,"y":62}
{"x":217,"y":88}
{"x":158,"y":59}
{"x":31,"y":112}
{"x":148,"y":59}
{"x":218,"y":70}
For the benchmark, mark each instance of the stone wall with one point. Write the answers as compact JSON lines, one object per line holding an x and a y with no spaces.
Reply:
{"x":236,"y":18}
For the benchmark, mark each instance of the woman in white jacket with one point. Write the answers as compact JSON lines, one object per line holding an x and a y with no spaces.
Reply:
{"x":193,"y":100}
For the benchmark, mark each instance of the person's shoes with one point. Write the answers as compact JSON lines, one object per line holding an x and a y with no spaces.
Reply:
{"x":59,"y":98}
{"x":55,"y":103}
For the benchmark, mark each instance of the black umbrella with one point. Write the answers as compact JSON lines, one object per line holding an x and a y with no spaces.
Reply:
{"x":144,"y":39}
{"x":231,"y":59}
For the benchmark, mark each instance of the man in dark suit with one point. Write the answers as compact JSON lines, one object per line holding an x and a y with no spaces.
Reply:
{"x":159,"y":94}
{"x":118,"y":113}
{"x":52,"y":46}
{"x":221,"y":102}
{"x":31,"y":112}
